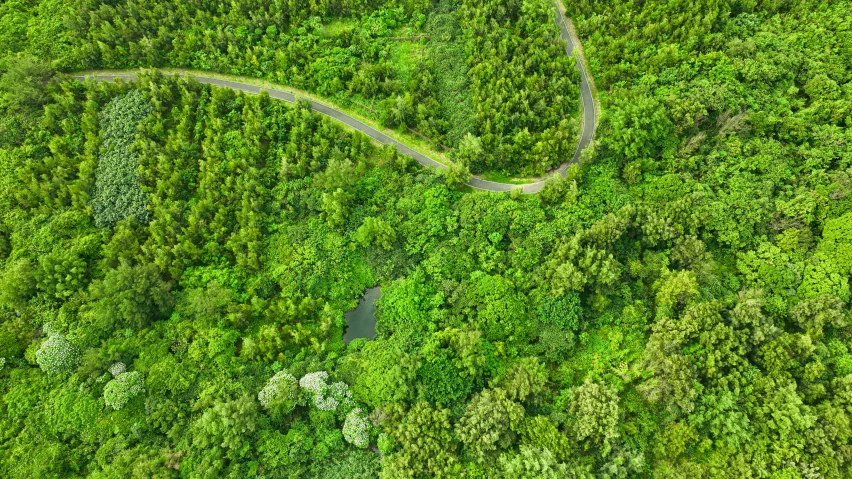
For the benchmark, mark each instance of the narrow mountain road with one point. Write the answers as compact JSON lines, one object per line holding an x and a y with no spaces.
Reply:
{"x":589,"y":119}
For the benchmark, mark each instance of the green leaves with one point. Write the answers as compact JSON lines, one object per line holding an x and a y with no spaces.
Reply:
{"x":375,"y":231}
{"x":469,"y":152}
{"x":129,"y":297}
{"x":227,"y":425}
{"x":525,"y":380}
{"x":386,"y":374}
{"x":118,"y":195}
{"x":524,"y":88}
{"x":457,"y":175}
{"x":62,"y":274}
{"x":425,"y":445}
{"x":731,"y":134}
{"x":23,"y":86}
{"x":573,"y":265}
{"x":440,"y":380}
{"x":563,"y":311}
{"x":638,"y":126}
{"x":17,"y":284}
{"x":496,"y":307}
{"x":533,"y":463}
{"x":596,"y":414}
{"x":490,"y":422}
{"x":837,"y":242}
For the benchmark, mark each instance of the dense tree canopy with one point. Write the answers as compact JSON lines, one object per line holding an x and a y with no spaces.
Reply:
{"x":437,"y":73}
{"x":176,"y":259}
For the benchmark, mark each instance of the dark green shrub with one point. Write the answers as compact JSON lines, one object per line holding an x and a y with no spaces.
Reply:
{"x":117,"y":194}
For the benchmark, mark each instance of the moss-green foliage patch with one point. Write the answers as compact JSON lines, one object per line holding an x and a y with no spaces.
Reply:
{"x":118,"y":194}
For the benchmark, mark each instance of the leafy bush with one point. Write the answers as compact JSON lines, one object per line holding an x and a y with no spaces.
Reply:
{"x":488,"y":422}
{"x":117,"y":194}
{"x":350,"y":464}
{"x":129,"y":296}
{"x":563,"y":312}
{"x":442,"y":382}
{"x":226,"y":425}
{"x":62,"y":274}
{"x":17,"y":283}
{"x":595,"y":409}
{"x":637,"y":127}
{"x":533,"y":463}
{"x":122,"y":389}
{"x":23,"y":87}
{"x":375,"y":231}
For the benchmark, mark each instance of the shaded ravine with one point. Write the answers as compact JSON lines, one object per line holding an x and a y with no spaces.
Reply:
{"x":589,"y":119}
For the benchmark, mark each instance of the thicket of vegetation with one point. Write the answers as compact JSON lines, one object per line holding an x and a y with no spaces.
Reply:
{"x":400,"y":62}
{"x":523,"y":86}
{"x":117,"y":195}
{"x":678,"y":306}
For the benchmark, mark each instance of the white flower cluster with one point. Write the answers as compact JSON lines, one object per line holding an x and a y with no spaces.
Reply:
{"x":2,"y":363}
{"x":340,"y":391}
{"x":123,"y":388}
{"x":329,"y":397}
{"x":325,"y":403}
{"x":356,"y":429}
{"x":314,"y":382}
{"x":56,"y":355}
{"x":117,"y":369}
{"x":280,"y":389}
{"x":326,"y":397}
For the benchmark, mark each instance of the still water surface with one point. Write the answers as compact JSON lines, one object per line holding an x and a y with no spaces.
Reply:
{"x":361,"y":321}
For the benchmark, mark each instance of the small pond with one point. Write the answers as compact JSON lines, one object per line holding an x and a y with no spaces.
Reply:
{"x":361,"y":321}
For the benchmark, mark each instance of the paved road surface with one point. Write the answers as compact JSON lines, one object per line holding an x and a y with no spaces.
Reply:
{"x":478,"y":183}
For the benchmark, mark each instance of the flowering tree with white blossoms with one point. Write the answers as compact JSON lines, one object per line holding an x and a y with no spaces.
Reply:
{"x":314,"y":382}
{"x":280,"y":394}
{"x":338,"y":397}
{"x":117,"y":369}
{"x":356,"y":429}
{"x":123,"y":388}
{"x":326,"y":397}
{"x":57,"y":355}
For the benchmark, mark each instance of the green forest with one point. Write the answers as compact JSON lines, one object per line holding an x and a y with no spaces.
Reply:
{"x":516,"y":94}
{"x":177,"y":259}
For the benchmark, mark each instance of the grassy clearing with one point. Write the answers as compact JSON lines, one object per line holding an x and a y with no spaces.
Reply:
{"x":501,"y":177}
{"x":339,"y":26}
{"x":405,"y":56}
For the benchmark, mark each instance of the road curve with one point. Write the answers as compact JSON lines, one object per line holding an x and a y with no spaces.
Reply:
{"x":589,"y":119}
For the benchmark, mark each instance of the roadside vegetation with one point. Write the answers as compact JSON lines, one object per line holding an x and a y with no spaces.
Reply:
{"x":401,"y":63}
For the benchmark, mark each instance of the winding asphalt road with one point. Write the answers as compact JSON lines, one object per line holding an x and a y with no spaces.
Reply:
{"x":478,"y":183}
